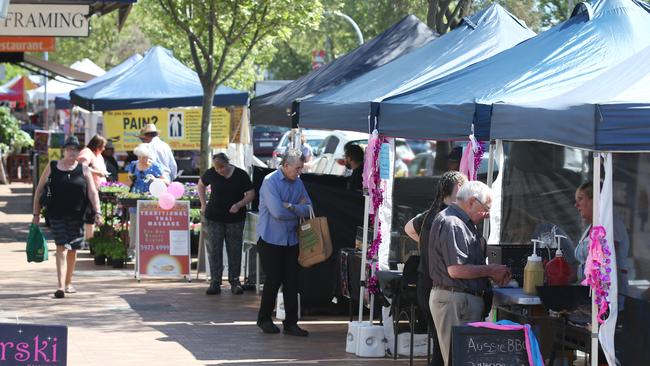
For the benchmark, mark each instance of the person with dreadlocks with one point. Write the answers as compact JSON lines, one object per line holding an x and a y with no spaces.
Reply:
{"x":418,"y":229}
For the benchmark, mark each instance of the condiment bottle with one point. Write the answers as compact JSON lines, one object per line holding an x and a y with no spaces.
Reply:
{"x":558,"y":271}
{"x":533,"y":272}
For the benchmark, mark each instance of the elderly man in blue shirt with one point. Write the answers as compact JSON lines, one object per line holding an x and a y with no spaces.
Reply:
{"x":283,"y":200}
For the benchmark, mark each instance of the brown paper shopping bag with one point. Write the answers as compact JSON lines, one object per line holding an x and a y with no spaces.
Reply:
{"x":315,"y":241}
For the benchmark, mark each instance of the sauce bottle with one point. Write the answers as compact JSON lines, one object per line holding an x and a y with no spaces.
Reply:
{"x":558,"y":271}
{"x":533,"y":272}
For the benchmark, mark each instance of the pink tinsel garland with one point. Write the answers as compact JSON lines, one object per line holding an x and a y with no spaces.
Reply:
{"x":597,"y":269}
{"x":377,"y":196}
{"x":478,"y":155}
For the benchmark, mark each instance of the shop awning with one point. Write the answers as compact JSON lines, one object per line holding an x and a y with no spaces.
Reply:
{"x":34,"y":64}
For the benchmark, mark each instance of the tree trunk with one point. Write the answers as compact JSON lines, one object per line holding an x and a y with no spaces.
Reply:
{"x":206,"y":129}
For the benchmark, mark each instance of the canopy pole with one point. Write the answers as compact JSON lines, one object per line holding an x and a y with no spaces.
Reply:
{"x":364,"y":252}
{"x":595,"y":222}
{"x":490,"y":180}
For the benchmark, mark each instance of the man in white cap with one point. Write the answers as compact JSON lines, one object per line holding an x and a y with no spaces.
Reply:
{"x":163,"y":154}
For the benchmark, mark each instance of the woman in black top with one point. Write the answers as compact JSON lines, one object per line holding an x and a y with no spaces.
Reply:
{"x":418,"y":229}
{"x":71,"y":188}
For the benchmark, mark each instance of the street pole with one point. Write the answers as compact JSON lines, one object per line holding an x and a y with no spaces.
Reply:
{"x":349,"y":20}
{"x":46,"y":122}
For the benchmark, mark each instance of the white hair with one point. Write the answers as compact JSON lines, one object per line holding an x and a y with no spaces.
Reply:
{"x":292,"y":157}
{"x":143,"y":150}
{"x":476,"y":189}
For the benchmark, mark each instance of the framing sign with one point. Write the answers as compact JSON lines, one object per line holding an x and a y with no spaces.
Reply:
{"x":49,"y":20}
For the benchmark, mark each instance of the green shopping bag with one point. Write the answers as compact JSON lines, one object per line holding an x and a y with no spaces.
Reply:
{"x":36,"y":245}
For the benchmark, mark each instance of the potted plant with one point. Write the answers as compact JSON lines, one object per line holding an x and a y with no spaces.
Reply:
{"x":99,"y":245}
{"x":117,"y":252}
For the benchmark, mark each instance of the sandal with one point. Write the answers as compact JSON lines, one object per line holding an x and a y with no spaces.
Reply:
{"x":59,"y":294}
{"x":70,"y":289}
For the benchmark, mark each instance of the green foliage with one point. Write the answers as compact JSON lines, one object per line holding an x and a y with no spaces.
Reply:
{"x":195,"y":215}
{"x":105,"y":46}
{"x":12,"y":138}
{"x":336,"y":36}
{"x":11,"y":71}
{"x":526,"y":10}
{"x":282,"y":17}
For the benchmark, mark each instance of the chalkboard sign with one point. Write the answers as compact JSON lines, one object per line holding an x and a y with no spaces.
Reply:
{"x":473,"y":346}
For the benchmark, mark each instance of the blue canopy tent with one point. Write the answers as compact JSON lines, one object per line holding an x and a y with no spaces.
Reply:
{"x":608,"y":113}
{"x":478,"y":37}
{"x":404,"y":36}
{"x":598,"y":35}
{"x":83,"y":95}
{"x":157,"y":81}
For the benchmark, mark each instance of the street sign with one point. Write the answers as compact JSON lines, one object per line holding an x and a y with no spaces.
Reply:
{"x":49,"y":20}
{"x":317,"y":58}
{"x":27,"y":44}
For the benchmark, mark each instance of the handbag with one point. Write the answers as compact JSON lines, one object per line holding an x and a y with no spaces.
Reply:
{"x":36,"y":245}
{"x":315,"y":242}
{"x":46,"y":196}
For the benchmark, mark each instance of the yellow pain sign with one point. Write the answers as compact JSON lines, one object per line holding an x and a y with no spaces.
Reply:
{"x":179,"y":127}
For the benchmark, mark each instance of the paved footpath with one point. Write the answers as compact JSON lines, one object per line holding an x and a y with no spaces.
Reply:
{"x":114,"y":320}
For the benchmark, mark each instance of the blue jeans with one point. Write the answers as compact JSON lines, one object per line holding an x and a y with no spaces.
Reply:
{"x":215,"y":233}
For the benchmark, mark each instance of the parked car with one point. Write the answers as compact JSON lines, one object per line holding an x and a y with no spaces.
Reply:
{"x":266,"y":139}
{"x":423,"y":165}
{"x":330,"y":154}
{"x":314,"y":138}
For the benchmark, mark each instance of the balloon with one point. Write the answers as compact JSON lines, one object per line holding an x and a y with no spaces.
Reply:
{"x":166,"y":201}
{"x":157,"y":188}
{"x":176,"y":189}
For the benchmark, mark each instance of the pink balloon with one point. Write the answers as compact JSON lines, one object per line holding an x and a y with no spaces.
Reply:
{"x":166,"y":201}
{"x":176,"y":189}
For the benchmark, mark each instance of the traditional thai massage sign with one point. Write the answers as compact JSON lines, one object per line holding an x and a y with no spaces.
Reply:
{"x":32,"y":344}
{"x":163,"y":239}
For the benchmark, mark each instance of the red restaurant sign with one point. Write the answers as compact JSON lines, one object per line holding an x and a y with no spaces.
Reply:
{"x":163,"y":243}
{"x":27,"y":44}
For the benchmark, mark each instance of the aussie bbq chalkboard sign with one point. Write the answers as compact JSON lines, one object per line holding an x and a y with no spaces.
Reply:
{"x":473,"y":346}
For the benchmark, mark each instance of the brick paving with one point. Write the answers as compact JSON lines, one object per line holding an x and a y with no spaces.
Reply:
{"x":114,"y":320}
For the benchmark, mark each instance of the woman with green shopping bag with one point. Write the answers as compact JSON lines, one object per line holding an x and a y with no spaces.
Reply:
{"x":72,"y":190}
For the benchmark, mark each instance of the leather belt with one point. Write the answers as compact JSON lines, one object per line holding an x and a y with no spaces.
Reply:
{"x":455,"y":289}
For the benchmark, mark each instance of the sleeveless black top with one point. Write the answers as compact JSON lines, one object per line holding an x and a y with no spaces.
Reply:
{"x":69,"y":193}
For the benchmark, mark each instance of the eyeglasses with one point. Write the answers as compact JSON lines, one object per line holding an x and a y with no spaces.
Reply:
{"x":483,"y":204}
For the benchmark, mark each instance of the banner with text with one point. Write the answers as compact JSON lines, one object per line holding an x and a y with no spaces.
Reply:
{"x":179,"y":127}
{"x":163,"y":239}
{"x":33,"y":344}
{"x":49,"y":20}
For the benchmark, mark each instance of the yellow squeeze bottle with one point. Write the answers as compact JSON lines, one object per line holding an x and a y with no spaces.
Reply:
{"x":533,"y":272}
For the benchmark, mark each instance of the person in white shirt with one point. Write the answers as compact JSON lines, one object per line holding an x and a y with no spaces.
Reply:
{"x":163,"y":154}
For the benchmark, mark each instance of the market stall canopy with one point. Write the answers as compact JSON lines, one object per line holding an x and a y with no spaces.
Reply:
{"x":86,"y":65}
{"x":82,"y":95}
{"x":157,"y":81}
{"x":404,"y":36}
{"x":608,"y":113}
{"x":598,"y":35}
{"x":15,"y":89}
{"x":60,"y":86}
{"x":478,"y":37}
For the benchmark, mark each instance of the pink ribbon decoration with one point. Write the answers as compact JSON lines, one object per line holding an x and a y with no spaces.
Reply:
{"x":597,"y":270}
{"x":471,"y":159}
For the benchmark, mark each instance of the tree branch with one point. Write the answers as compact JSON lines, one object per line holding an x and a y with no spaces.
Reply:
{"x":170,"y":8}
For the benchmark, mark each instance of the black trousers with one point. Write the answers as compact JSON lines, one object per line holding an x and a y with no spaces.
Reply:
{"x":280,"y":265}
{"x":424,"y":290}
